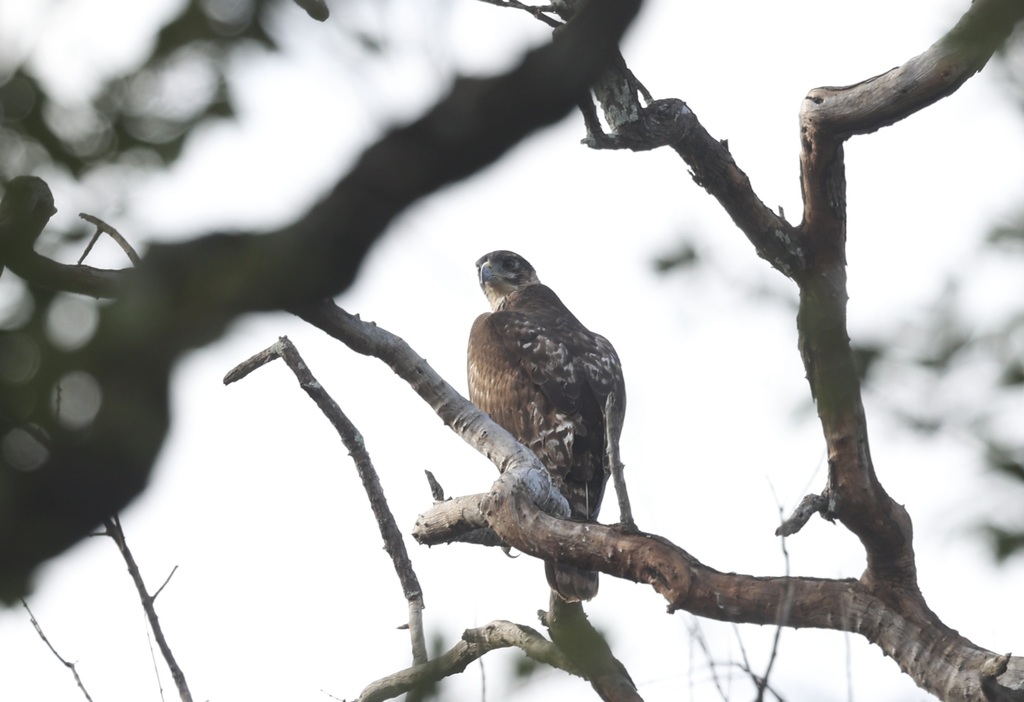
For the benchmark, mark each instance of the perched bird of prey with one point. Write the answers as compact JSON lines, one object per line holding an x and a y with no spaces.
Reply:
{"x":546,"y":378}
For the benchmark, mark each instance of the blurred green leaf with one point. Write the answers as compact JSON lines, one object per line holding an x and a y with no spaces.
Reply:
{"x":683,"y":257}
{"x":1004,"y":543}
{"x":145,"y":108}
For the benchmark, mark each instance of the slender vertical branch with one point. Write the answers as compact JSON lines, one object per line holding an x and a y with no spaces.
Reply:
{"x":114,"y":531}
{"x":353,"y":441}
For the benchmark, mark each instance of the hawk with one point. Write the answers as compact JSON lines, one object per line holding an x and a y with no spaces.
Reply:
{"x":546,"y":378}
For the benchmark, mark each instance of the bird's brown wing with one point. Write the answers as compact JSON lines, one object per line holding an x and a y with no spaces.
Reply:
{"x":546,"y":378}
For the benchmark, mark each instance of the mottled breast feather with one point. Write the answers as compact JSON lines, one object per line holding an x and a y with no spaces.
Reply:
{"x":538,"y":372}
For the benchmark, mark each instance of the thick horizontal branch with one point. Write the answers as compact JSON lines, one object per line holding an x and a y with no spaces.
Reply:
{"x":456,"y":520}
{"x":931,"y":653}
{"x":937,"y":658}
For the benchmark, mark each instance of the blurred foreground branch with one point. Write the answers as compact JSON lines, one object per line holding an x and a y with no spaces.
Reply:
{"x":184,"y":295}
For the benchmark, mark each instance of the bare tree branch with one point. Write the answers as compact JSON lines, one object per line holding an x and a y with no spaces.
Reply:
{"x":456,"y":520}
{"x":808,"y":507}
{"x":517,"y":505}
{"x":572,"y":632}
{"x":67,"y":664}
{"x":990,"y":687}
{"x":813,"y":255}
{"x":167,"y":580}
{"x":760,"y":681}
{"x":353,"y":441}
{"x":541,"y":12}
{"x":184,"y":295}
{"x":25,"y":210}
{"x":697,"y":636}
{"x":104,"y":228}
{"x":829,"y":116}
{"x":317,"y":9}
{"x":936,"y":73}
{"x":458,"y":413}
{"x":114,"y":531}
{"x":474,"y":644}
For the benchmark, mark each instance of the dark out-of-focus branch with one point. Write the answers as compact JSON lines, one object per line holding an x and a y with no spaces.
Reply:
{"x":353,"y":441}
{"x":183,"y":295}
{"x":104,"y":228}
{"x":317,"y":9}
{"x":584,"y":645}
{"x":25,"y":210}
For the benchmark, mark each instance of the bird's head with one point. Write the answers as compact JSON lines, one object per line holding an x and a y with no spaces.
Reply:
{"x":501,"y":273}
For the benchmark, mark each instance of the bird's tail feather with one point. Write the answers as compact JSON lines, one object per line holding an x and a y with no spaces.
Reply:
{"x":572,"y":584}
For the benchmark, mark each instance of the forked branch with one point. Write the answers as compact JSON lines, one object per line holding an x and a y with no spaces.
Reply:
{"x":115,"y":532}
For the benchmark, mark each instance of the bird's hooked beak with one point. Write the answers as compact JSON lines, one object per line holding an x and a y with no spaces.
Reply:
{"x":484,"y":273}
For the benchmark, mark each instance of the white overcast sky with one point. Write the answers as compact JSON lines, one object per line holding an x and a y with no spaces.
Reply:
{"x":283,"y":590}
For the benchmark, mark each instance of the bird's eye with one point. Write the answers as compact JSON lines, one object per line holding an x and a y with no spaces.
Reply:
{"x":512,"y":264}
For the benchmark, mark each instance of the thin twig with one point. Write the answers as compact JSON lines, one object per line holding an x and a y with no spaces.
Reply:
{"x":353,"y":441}
{"x":541,"y":12}
{"x":436,"y":491}
{"x":104,"y":228}
{"x":68,"y":664}
{"x":161,"y":588}
{"x":156,"y":666}
{"x":697,"y":634}
{"x":762,"y":681}
{"x":809,"y":506}
{"x":115,"y":532}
